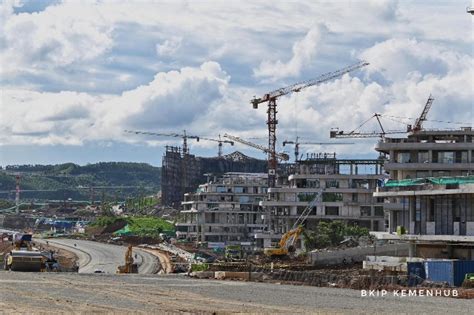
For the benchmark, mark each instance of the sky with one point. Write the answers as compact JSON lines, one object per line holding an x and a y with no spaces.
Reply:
{"x":75,"y":74}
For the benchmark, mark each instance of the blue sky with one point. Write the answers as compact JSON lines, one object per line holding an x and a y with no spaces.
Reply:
{"x":75,"y":74}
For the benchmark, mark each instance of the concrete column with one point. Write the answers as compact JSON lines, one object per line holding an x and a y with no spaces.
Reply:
{"x":391,"y":222}
{"x":412,"y":249}
{"x":449,"y":249}
{"x":411,"y":216}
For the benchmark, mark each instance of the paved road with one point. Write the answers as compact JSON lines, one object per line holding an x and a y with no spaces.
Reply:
{"x":106,"y":257}
{"x":125,"y":294}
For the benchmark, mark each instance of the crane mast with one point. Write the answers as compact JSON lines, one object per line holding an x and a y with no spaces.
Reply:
{"x":272,"y":121}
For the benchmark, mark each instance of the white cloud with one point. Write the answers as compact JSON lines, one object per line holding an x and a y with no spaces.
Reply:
{"x":303,"y":51}
{"x":169,"y":46}
{"x":130,"y":65}
{"x":45,"y":41}
{"x":124,"y":77}
{"x":171,"y":102}
{"x":398,"y":58}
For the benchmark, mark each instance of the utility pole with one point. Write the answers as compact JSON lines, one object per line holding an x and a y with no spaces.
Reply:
{"x":17,"y":195}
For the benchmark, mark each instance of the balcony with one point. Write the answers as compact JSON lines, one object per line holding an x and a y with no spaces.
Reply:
{"x":421,"y":146}
{"x":390,"y":166}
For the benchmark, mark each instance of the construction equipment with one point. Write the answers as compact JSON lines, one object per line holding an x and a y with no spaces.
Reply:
{"x":24,"y":257}
{"x":336,"y":133}
{"x":280,"y":156}
{"x":271,"y":98}
{"x":177,"y":135}
{"x":130,"y":266}
{"x":185,"y":137}
{"x":286,"y":244}
{"x":233,"y":253}
{"x":220,"y":143}
{"x":297,"y":144}
{"x":468,"y":280}
{"x":419,"y":121}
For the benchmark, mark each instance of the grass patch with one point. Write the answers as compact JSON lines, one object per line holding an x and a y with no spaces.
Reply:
{"x":140,"y":226}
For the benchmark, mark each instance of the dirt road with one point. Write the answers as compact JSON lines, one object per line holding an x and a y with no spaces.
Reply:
{"x":86,"y":293}
{"x":165,"y":262}
{"x":105,"y":257}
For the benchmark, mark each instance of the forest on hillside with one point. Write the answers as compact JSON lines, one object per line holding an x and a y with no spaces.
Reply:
{"x":104,"y":180}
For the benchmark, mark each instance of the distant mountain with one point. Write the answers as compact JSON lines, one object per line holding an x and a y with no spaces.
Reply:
{"x":108,"y":180}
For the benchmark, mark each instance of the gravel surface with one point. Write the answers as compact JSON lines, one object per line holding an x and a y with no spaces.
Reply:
{"x":105,"y":257}
{"x":85,"y":293}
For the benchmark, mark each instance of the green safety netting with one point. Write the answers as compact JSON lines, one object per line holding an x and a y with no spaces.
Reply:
{"x":404,"y":182}
{"x":430,"y":180}
{"x":123,"y":231}
{"x":452,"y":180}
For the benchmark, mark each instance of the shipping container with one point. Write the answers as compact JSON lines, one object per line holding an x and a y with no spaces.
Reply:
{"x":450,"y":271}
{"x":461,"y":267}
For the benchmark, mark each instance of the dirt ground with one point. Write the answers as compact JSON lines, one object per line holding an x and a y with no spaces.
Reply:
{"x":65,"y":258}
{"x":31,"y":293}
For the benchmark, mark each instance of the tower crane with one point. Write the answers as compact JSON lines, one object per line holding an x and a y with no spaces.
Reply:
{"x":185,"y":137}
{"x":297,"y":144}
{"x":336,"y":133}
{"x":220,"y":143}
{"x":419,"y":121}
{"x":271,"y":98}
{"x":280,"y":156}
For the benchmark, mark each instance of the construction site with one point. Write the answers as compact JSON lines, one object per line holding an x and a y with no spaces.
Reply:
{"x":305,"y":230}
{"x":319,"y":220}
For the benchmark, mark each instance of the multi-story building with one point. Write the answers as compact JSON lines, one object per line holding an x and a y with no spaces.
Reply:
{"x":431,"y":189}
{"x":346,"y":187}
{"x":429,"y":153}
{"x":224,"y":209}
{"x":182,"y":172}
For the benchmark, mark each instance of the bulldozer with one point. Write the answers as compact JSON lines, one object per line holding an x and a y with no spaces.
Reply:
{"x":24,"y":257}
{"x":130,"y":266}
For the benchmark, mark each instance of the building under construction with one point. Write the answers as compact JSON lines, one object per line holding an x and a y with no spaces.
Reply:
{"x":183,"y":172}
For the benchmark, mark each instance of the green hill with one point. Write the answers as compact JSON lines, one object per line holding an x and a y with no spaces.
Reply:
{"x":110,"y":181}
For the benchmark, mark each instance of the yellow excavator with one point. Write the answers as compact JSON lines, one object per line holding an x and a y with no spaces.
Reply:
{"x":130,"y":266}
{"x":286,"y":245}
